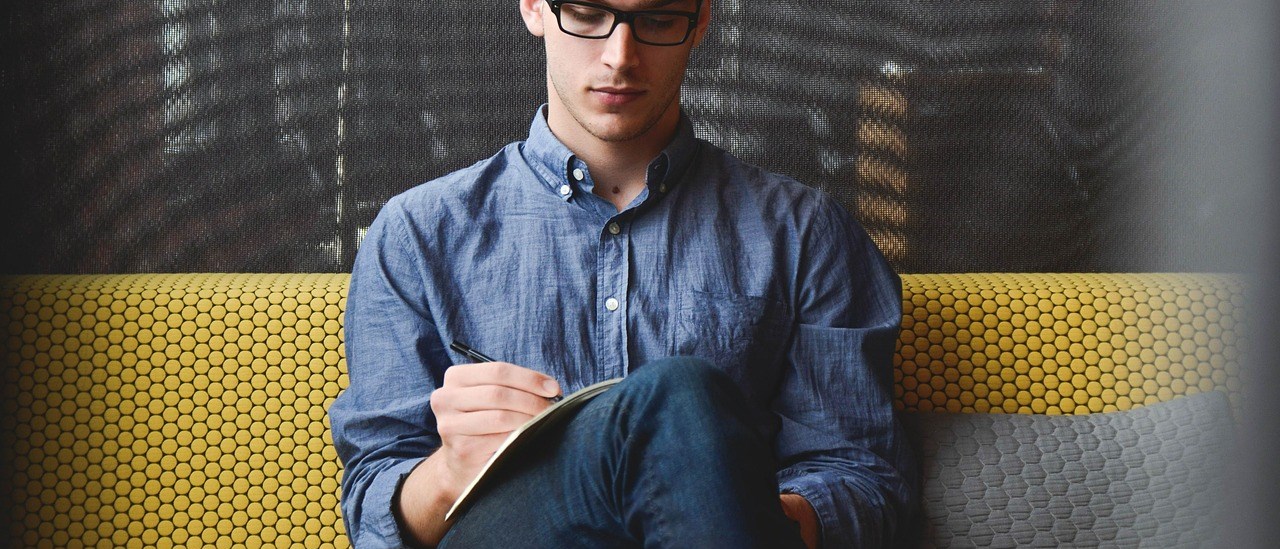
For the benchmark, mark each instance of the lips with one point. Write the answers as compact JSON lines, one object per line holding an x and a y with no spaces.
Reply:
{"x":616,"y":95}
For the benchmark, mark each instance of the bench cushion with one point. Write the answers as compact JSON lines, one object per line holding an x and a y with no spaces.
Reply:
{"x":1150,"y":475}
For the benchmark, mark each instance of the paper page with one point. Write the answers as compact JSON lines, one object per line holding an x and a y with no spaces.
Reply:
{"x":529,"y":430}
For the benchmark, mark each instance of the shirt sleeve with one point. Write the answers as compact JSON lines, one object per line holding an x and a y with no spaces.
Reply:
{"x":382,"y":422}
{"x":839,"y":444}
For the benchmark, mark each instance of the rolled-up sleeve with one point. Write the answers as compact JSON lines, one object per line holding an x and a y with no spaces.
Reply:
{"x":382,"y":422}
{"x":839,"y":444}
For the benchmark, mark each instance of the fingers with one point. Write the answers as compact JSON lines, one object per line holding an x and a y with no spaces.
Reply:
{"x":504,"y":374}
{"x":485,"y":422}
{"x":449,"y":400}
{"x":480,"y":404}
{"x":494,"y":397}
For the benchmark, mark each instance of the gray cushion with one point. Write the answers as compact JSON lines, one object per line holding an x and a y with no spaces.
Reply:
{"x":1151,"y":476}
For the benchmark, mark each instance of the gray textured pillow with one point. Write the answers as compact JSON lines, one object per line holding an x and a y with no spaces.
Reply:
{"x":1151,"y":476}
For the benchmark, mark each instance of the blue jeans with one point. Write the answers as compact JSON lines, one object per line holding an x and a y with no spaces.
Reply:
{"x":665,"y":458}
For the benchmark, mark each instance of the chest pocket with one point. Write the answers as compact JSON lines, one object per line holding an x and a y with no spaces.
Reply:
{"x":738,"y":333}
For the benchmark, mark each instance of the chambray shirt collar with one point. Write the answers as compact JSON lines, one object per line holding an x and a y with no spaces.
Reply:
{"x":564,"y":174}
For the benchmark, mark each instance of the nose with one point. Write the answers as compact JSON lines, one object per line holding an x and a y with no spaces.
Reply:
{"x":620,"y":48}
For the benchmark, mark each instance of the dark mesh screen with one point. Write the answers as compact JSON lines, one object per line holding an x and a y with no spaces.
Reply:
{"x":201,"y":135}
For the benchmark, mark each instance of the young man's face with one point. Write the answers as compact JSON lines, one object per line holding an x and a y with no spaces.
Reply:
{"x":614,"y":89}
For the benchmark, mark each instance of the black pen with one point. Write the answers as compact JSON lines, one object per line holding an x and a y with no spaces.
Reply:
{"x":469,"y":352}
{"x":480,"y":357}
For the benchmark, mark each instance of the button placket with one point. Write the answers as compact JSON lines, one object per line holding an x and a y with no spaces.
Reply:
{"x":611,"y":322}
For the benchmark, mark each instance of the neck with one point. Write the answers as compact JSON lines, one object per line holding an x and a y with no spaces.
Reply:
{"x":618,"y":168}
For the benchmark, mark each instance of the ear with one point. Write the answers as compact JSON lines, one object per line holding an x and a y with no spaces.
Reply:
{"x":704,"y":20}
{"x":531,"y":12}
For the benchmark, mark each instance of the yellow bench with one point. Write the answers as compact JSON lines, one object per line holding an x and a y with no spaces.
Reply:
{"x":189,"y":409}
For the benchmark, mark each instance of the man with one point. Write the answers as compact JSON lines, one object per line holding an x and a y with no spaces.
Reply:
{"x":608,"y":241}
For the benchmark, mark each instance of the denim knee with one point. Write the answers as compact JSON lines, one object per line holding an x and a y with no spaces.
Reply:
{"x":685,"y":385}
{"x":678,"y":372}
{"x":681,"y":375}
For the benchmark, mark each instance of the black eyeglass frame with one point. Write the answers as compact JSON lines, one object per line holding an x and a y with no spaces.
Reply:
{"x":620,"y":17}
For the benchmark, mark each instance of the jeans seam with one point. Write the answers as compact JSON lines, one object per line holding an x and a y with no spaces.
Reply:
{"x":660,"y":526}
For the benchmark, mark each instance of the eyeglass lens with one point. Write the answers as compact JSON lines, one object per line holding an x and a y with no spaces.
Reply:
{"x":592,"y":22}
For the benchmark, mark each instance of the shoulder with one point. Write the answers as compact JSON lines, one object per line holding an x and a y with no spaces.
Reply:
{"x":454,"y":196}
{"x":748,"y":187}
{"x":460,"y":187}
{"x":423,"y":218}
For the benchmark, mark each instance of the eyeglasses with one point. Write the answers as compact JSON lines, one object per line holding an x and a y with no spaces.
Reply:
{"x":653,"y":27}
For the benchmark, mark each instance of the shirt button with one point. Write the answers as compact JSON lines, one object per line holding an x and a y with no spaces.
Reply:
{"x":565,"y":190}
{"x":611,"y":304}
{"x":614,"y":228}
{"x":578,"y":175}
{"x":662,"y":188}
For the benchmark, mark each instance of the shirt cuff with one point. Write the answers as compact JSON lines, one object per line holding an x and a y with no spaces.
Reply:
{"x":816,"y":492}
{"x":382,"y":529}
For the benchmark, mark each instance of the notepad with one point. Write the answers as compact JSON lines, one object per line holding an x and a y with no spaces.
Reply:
{"x":529,"y":431}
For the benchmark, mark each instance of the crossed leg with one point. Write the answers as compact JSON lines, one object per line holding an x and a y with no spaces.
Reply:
{"x":667,"y":458}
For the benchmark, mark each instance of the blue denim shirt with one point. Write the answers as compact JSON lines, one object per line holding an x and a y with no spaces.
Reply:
{"x":771,"y":280}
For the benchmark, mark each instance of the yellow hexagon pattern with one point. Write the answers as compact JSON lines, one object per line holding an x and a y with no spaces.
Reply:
{"x":173,"y":410}
{"x":1064,"y":343}
{"x":189,"y":410}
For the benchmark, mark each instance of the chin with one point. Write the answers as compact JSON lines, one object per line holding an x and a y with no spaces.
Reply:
{"x":613,"y":132}
{"x":616,"y":135}
{"x":615,"y":128}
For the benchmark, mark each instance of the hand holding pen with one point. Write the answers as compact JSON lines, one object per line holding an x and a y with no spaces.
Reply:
{"x":479,"y":357}
{"x":476,"y":408}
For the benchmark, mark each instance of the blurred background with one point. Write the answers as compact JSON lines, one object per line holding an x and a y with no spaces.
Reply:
{"x":977,"y":136}
{"x":988,"y":135}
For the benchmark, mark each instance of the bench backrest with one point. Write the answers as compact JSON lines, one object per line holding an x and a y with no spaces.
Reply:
{"x":189,"y":409}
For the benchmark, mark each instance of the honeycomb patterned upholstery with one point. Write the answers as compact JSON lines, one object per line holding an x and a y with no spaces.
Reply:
{"x":189,"y":409}
{"x":1064,"y":343}
{"x":1148,"y":477}
{"x":173,"y":410}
